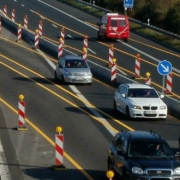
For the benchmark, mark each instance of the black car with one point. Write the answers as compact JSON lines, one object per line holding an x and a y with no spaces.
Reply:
{"x":141,"y":155}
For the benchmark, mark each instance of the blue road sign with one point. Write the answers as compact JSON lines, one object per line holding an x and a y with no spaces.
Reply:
{"x":128,"y":3}
{"x":164,"y":67}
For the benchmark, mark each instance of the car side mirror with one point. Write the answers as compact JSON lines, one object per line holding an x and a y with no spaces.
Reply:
{"x":123,"y":95}
{"x":161,"y":96}
{"x":98,"y":24}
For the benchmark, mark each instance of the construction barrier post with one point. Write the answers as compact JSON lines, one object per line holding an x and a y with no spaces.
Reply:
{"x":40,"y":28}
{"x":21,"y":113}
{"x":59,"y":141}
{"x":169,"y":83}
{"x":25,"y":21}
{"x":148,"y":79}
{"x":85,"y":43}
{"x":111,"y":55}
{"x":60,"y":48}
{"x":62,"y":34}
{"x":110,"y":174}
{"x":36,"y":41}
{"x":84,"y":54}
{"x":5,"y":10}
{"x":13,"y":15}
{"x":19,"y":33}
{"x":113,"y":70}
{"x":137,"y":67}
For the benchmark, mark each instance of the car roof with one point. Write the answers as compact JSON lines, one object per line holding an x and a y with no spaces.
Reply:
{"x":143,"y":135}
{"x":73,"y":57}
{"x":137,"y":85}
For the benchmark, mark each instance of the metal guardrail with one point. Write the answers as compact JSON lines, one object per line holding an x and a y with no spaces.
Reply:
{"x":135,"y":21}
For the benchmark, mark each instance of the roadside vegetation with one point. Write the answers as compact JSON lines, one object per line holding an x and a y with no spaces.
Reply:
{"x":164,"y":14}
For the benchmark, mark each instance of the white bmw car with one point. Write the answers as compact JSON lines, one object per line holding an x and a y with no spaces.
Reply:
{"x":139,"y":101}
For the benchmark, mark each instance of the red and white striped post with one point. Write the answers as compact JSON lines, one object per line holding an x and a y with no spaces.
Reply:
{"x":25,"y":21}
{"x":60,"y":48}
{"x":5,"y":10}
{"x":169,"y":83}
{"x":21,"y":113}
{"x":59,"y":150}
{"x":13,"y":15}
{"x":36,"y":40}
{"x":62,"y":34}
{"x":113,"y":70}
{"x":137,"y":66}
{"x":85,"y":43}
{"x":40,"y":28}
{"x":84,"y":54}
{"x":148,"y":79}
{"x":19,"y":33}
{"x":111,"y":55}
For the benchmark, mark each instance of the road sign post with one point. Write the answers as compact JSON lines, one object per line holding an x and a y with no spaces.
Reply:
{"x":164,"y":68}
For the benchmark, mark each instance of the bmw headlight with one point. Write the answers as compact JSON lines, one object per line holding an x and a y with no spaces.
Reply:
{"x":135,"y":107}
{"x":177,"y":171}
{"x":137,"y":170}
{"x":88,"y":74}
{"x":162,"y":107}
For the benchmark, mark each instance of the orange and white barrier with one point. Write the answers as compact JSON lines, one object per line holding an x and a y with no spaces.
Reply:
{"x":36,"y":40}
{"x":5,"y":10}
{"x":62,"y":34}
{"x":60,"y":48}
{"x":25,"y":21}
{"x":84,"y":54}
{"x":19,"y":33}
{"x":169,"y":83}
{"x":59,"y":149}
{"x":21,"y":113}
{"x":113,"y":70}
{"x":111,"y":55}
{"x":13,"y":15}
{"x":148,"y":79}
{"x":40,"y":28}
{"x":137,"y":66}
{"x":85,"y":42}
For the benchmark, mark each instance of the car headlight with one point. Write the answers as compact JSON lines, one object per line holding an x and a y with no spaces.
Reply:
{"x":177,"y":171}
{"x":162,"y":107}
{"x":88,"y":74}
{"x":137,"y":170}
{"x":135,"y":107}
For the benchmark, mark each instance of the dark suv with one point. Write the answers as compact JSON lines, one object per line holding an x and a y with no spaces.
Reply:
{"x":141,"y":155}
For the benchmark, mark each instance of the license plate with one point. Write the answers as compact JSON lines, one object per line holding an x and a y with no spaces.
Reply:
{"x":79,"y":78}
{"x":149,"y":112}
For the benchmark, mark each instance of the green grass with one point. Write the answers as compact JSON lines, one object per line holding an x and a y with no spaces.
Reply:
{"x":159,"y":37}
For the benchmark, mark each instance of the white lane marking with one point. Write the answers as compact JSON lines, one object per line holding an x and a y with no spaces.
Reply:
{"x":88,"y":105}
{"x":70,"y":36}
{"x":151,"y":57}
{"x":121,"y":71}
{"x":92,"y":51}
{"x":42,"y":17}
{"x":54,"y":25}
{"x":22,"y":5}
{"x":4,"y":171}
{"x":15,"y":1}
{"x":31,"y":10}
{"x":66,"y":14}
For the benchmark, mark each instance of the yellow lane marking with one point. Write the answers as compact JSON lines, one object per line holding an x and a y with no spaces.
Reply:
{"x":50,"y":141}
{"x":68,"y":92}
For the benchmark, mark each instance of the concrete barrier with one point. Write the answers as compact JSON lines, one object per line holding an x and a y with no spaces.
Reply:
{"x":105,"y":73}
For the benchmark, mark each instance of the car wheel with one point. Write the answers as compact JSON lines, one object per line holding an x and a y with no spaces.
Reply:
{"x":115,"y":107}
{"x":128,"y":113}
{"x":55,"y":76}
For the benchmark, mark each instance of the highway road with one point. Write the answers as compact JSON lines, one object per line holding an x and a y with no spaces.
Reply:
{"x":88,"y":124}
{"x":77,"y":24}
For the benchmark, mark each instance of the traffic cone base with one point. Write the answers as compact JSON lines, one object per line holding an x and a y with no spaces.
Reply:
{"x":23,"y":128}
{"x":58,"y":167}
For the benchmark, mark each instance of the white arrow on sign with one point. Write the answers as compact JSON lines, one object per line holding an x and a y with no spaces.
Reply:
{"x":166,"y":69}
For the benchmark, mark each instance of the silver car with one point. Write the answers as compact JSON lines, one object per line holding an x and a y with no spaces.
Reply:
{"x":73,"y":69}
